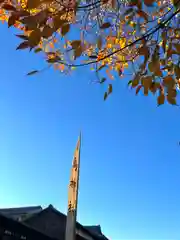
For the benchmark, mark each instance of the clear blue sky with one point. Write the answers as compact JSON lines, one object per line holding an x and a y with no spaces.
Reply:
{"x":130,"y":160}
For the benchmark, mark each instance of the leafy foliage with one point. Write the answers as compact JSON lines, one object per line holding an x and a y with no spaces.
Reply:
{"x":115,"y":38}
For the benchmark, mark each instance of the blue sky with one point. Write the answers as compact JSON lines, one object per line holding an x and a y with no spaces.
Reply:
{"x":130,"y":161}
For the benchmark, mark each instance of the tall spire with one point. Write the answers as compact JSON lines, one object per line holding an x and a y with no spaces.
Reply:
{"x":73,"y":194}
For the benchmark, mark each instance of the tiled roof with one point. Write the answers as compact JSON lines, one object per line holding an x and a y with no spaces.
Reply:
{"x":34,"y":212}
{"x":20,"y":229}
{"x":20,"y":210}
{"x":94,"y":229}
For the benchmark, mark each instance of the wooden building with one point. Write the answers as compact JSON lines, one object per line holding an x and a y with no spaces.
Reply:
{"x":51,"y":223}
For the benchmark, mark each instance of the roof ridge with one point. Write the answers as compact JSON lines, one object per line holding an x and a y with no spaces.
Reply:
{"x":29,"y":207}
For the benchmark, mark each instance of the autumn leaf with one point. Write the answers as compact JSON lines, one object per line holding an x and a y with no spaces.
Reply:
{"x":99,"y":43}
{"x":33,"y":4}
{"x":172,"y":93}
{"x":12,"y":20}
{"x":135,"y":81}
{"x":105,"y":25}
{"x":35,"y":38}
{"x":177,"y":46}
{"x":168,"y":80}
{"x":23,"y":45}
{"x":149,"y":2}
{"x":30,"y":22}
{"x":164,"y":40}
{"x":8,"y":7}
{"x":38,"y":50}
{"x":105,"y":96}
{"x":160,"y":99}
{"x":32,"y":72}
{"x":22,"y":37}
{"x":143,"y":50}
{"x":110,"y":89}
{"x":58,"y":22}
{"x":154,"y":66}
{"x":171,"y":100}
{"x":65,"y":29}
{"x":47,"y":32}
{"x":143,"y":15}
{"x":177,"y":71}
{"x":77,"y":52}
{"x":76,"y":44}
{"x":53,"y":60}
{"x":138,"y":89}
